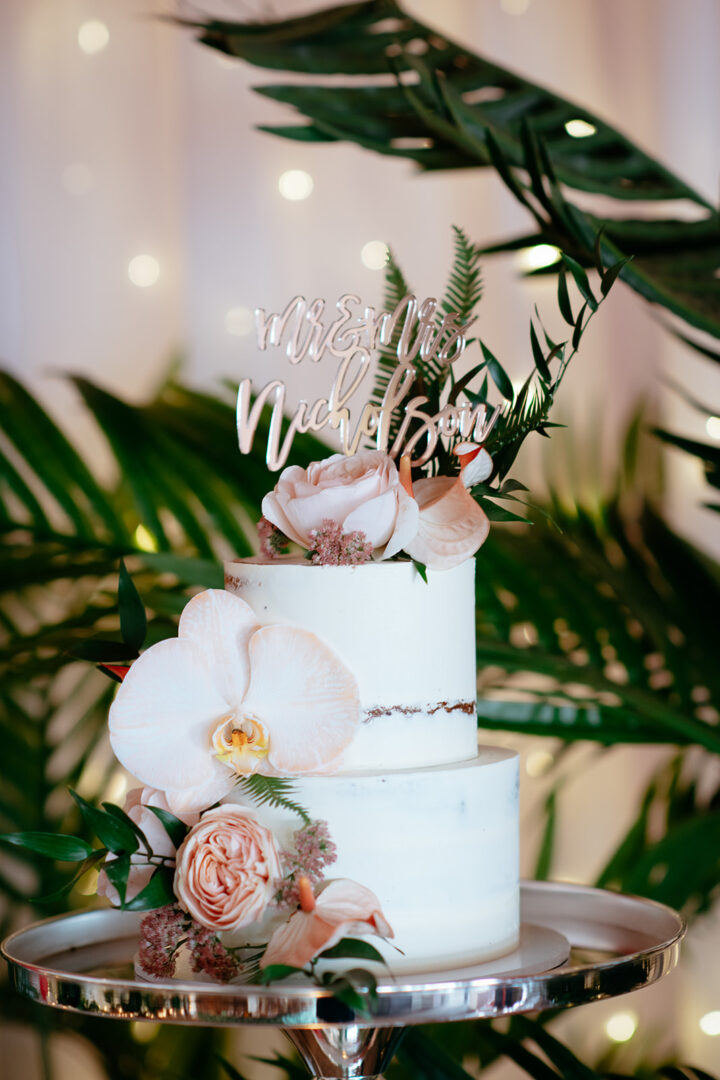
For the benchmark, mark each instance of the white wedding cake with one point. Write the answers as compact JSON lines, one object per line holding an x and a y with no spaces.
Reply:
{"x":418,"y":813}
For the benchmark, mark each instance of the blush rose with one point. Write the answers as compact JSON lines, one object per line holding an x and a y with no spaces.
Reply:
{"x":361,"y":493}
{"x":227,"y":869}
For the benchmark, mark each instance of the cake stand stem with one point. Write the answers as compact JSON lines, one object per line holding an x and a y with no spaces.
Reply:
{"x":346,"y":1053}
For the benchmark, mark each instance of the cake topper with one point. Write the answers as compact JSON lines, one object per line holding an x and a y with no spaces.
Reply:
{"x":352,"y":337}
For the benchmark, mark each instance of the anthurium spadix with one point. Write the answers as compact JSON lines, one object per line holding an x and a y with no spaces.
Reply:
{"x":228,"y":697}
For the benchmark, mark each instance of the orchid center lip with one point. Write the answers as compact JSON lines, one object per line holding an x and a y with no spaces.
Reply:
{"x":240,"y":741}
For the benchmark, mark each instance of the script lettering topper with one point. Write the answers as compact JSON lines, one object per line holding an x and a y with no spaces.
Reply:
{"x":352,"y":337}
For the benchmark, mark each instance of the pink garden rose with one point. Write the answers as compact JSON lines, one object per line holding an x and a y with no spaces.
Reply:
{"x":343,"y":908}
{"x":136,"y":806}
{"x":361,"y":493}
{"x":227,"y":869}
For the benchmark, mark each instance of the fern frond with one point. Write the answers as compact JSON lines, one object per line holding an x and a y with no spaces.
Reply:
{"x":272,"y":791}
{"x":396,"y":288}
{"x":465,"y":286}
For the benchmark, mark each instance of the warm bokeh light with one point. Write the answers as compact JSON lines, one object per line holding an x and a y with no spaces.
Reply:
{"x":295,"y":184}
{"x":712,"y":426}
{"x":144,"y":1031}
{"x":143,"y":270}
{"x":93,"y":36}
{"x":239,"y":321}
{"x":621,"y":1026}
{"x":538,"y":762}
{"x":144,"y":539}
{"x":514,"y":7}
{"x":536,"y":257}
{"x":374,"y":254}
{"x":580,"y":129}
{"x":77,"y":178}
{"x":710,"y":1023}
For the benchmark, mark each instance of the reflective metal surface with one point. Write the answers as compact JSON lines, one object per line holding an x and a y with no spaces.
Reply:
{"x":83,"y":963}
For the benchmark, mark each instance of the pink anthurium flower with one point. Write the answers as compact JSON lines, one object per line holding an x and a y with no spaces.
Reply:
{"x":451,"y":525}
{"x":228,"y":697}
{"x":342,"y":909}
{"x":476,"y":464}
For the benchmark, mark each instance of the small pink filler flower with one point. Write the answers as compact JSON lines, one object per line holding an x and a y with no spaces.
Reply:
{"x":342,"y":909}
{"x":227,"y":867}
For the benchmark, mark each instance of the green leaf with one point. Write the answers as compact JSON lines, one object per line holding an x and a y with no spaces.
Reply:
{"x":579,"y":328}
{"x":133,"y":620}
{"x":564,"y":298}
{"x":353,"y":948}
{"x":276,"y":972}
{"x":88,"y":864}
{"x":581,"y":280}
{"x":53,"y":845}
{"x":543,"y":865}
{"x":117,"y":871}
{"x":610,"y":276}
{"x":113,"y":832}
{"x":498,"y":373}
{"x":538,"y":357}
{"x":157,"y":893}
{"x":421,"y":569}
{"x":501,"y":513}
{"x":99,"y":652}
{"x":117,"y":812}
{"x":229,"y":1069}
{"x":176,"y":829}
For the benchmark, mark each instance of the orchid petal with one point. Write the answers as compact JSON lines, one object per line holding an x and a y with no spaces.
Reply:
{"x":452,"y":526}
{"x":303,"y":695}
{"x":162,"y":718}
{"x":219,"y":625}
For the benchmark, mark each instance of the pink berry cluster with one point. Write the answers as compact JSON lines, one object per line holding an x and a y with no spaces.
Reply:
{"x":313,"y":850}
{"x":272,"y":541}
{"x":164,"y":930}
{"x":333,"y":547}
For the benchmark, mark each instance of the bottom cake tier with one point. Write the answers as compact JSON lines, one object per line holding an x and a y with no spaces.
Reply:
{"x":438,"y":846}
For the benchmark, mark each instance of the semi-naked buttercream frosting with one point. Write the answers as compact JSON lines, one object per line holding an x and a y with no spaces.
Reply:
{"x":419,"y":814}
{"x":409,"y":643}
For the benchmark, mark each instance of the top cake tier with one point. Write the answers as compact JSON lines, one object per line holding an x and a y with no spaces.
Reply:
{"x":409,"y":644}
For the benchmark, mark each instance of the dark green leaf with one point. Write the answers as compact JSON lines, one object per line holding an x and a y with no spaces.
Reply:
{"x":564,"y":298}
{"x":421,"y":569}
{"x":53,"y":845}
{"x":610,"y":276}
{"x":579,"y":328}
{"x":176,"y":829}
{"x":88,"y":864}
{"x":99,"y":652}
{"x":353,"y":948}
{"x":276,"y":972}
{"x":117,"y":812}
{"x":501,"y":513}
{"x":581,"y":280}
{"x":133,"y":621}
{"x":498,"y":373}
{"x":157,"y":893}
{"x":117,"y":871}
{"x":538,"y":357}
{"x":113,"y":832}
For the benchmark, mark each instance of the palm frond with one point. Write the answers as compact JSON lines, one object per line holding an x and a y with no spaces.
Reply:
{"x":463,"y":111}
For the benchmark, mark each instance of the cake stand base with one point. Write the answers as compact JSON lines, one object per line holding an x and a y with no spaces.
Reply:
{"x":83,"y":963}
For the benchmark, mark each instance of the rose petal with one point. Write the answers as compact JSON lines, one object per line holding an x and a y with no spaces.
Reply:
{"x":406,"y":524}
{"x":219,"y":625}
{"x":451,"y":527}
{"x":375,"y":518}
{"x":304,"y":696}
{"x":162,"y":717}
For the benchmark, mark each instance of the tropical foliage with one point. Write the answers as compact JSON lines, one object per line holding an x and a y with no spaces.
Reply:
{"x":416,"y":95}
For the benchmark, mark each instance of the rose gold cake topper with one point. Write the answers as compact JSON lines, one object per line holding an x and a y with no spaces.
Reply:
{"x":352,"y":337}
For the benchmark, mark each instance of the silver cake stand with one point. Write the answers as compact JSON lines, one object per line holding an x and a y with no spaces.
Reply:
{"x":596,"y":945}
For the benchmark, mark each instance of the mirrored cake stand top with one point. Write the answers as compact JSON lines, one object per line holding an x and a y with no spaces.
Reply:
{"x":84,"y":963}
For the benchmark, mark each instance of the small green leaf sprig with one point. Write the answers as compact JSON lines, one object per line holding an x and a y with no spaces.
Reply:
{"x":124,"y":844}
{"x":356,"y":987}
{"x":522,"y":412}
